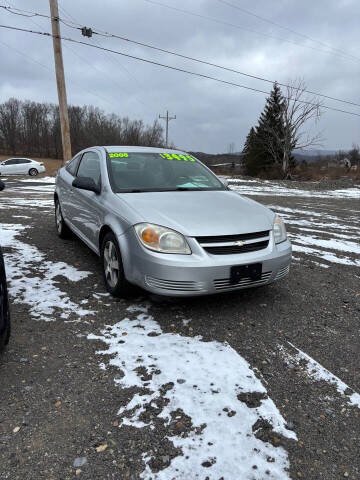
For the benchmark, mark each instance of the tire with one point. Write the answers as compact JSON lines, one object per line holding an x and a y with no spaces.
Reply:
{"x":112,"y":267}
{"x":4,"y":306}
{"x":33,"y":172}
{"x":62,"y":229}
{"x":6,"y":337}
{"x":8,"y":330}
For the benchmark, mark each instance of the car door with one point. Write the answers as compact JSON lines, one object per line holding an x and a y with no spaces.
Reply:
{"x":87,"y":209}
{"x":23,"y":166}
{"x":9,"y":167}
{"x":64,"y":186}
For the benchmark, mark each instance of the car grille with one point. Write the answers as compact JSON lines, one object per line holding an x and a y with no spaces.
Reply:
{"x":225,"y":283}
{"x":282,"y":272}
{"x":188,"y":286}
{"x":227,"y":244}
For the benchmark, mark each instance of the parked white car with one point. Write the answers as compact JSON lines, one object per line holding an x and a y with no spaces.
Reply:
{"x":21,"y":166}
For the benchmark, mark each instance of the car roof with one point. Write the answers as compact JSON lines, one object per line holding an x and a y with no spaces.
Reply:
{"x":129,"y":149}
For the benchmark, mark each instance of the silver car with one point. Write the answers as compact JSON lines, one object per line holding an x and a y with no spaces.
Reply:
{"x":160,"y":219}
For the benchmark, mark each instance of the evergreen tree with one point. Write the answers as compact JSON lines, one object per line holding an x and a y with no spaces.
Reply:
{"x":270,"y":130}
{"x":252,"y":154}
{"x":263,"y":144}
{"x":249,"y":141}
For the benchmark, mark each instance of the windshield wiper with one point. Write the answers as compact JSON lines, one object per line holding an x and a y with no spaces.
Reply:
{"x":186,"y":189}
{"x":148,"y":190}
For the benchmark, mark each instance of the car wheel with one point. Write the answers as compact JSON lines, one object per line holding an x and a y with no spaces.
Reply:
{"x":8,"y":329}
{"x":33,"y":172}
{"x":5,"y":312}
{"x":62,"y":229}
{"x":113,"y":271}
{"x":5,"y":339}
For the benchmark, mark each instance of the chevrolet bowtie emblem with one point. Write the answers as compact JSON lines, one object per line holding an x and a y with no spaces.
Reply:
{"x":239,"y":243}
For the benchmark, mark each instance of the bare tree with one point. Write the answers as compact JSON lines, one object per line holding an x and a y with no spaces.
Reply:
{"x":10,"y":123}
{"x":298,"y":108}
{"x":30,"y":128}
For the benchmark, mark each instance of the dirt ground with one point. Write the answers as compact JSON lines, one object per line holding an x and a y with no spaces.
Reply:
{"x":66,"y":412}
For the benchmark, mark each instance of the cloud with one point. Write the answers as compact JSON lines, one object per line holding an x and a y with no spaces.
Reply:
{"x":209,"y":115}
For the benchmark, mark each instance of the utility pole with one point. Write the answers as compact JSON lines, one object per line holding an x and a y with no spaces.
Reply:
{"x":60,"y":81}
{"x":167,"y":118}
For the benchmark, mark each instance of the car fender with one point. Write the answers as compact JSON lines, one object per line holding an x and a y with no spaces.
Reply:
{"x":116,"y":224}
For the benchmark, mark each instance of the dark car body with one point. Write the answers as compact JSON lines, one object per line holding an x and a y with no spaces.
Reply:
{"x":4,"y":301}
{"x":4,"y":307}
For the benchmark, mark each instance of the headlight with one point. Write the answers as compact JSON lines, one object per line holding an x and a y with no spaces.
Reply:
{"x":161,"y":239}
{"x":279,"y":230}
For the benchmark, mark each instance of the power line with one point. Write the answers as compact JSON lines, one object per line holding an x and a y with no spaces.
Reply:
{"x":107,"y":100}
{"x":267,"y":20}
{"x":94,"y":67}
{"x":73,"y":19}
{"x":30,"y":59}
{"x":256,"y":77}
{"x":67,"y":14}
{"x":26,"y":56}
{"x":228,"y":24}
{"x":193,"y":59}
{"x":198,"y":15}
{"x":152,"y":62}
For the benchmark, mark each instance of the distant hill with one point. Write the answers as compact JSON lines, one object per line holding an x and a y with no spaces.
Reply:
{"x":315,"y":153}
{"x":215,"y":159}
{"x":310,"y":156}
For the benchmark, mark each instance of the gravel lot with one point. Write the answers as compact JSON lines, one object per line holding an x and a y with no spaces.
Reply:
{"x":258,"y":384}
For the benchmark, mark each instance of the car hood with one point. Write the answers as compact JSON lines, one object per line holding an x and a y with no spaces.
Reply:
{"x":199,"y":213}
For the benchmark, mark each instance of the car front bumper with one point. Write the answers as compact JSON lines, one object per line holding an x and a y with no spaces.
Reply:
{"x":199,"y":273}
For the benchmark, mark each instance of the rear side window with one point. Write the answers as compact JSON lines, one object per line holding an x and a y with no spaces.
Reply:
{"x":71,"y":167}
{"x":22,"y":160}
{"x":90,"y":167}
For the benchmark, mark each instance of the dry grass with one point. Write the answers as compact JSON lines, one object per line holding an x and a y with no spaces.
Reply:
{"x":51,"y":164}
{"x":315,"y":173}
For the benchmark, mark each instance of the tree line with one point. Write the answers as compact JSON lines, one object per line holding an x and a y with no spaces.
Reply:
{"x":269,"y":145}
{"x":33,"y":129}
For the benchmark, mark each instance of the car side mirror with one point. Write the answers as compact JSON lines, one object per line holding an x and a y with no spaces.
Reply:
{"x":2,"y":185}
{"x":86,"y":183}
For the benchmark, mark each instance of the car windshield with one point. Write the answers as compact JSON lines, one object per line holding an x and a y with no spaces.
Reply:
{"x":156,"y":172}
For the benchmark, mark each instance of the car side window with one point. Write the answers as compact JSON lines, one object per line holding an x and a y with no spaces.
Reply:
{"x":90,"y":167}
{"x":20,"y":161}
{"x":13,"y":161}
{"x":71,"y":167}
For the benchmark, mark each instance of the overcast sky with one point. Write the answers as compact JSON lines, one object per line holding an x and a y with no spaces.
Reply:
{"x":209,"y":115}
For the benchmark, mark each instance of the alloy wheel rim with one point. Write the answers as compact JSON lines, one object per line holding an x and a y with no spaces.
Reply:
{"x":58,"y":218}
{"x":111,"y":264}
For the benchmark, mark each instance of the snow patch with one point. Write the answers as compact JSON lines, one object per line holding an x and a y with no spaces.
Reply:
{"x":319,"y":373}
{"x":274,"y":189}
{"x":206,"y":379}
{"x":329,"y":256}
{"x":40,"y":180}
{"x":38,"y":288}
{"x":28,"y":202}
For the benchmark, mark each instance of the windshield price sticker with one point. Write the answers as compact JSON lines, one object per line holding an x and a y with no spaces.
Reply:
{"x":118,"y":155}
{"x":175,"y":156}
